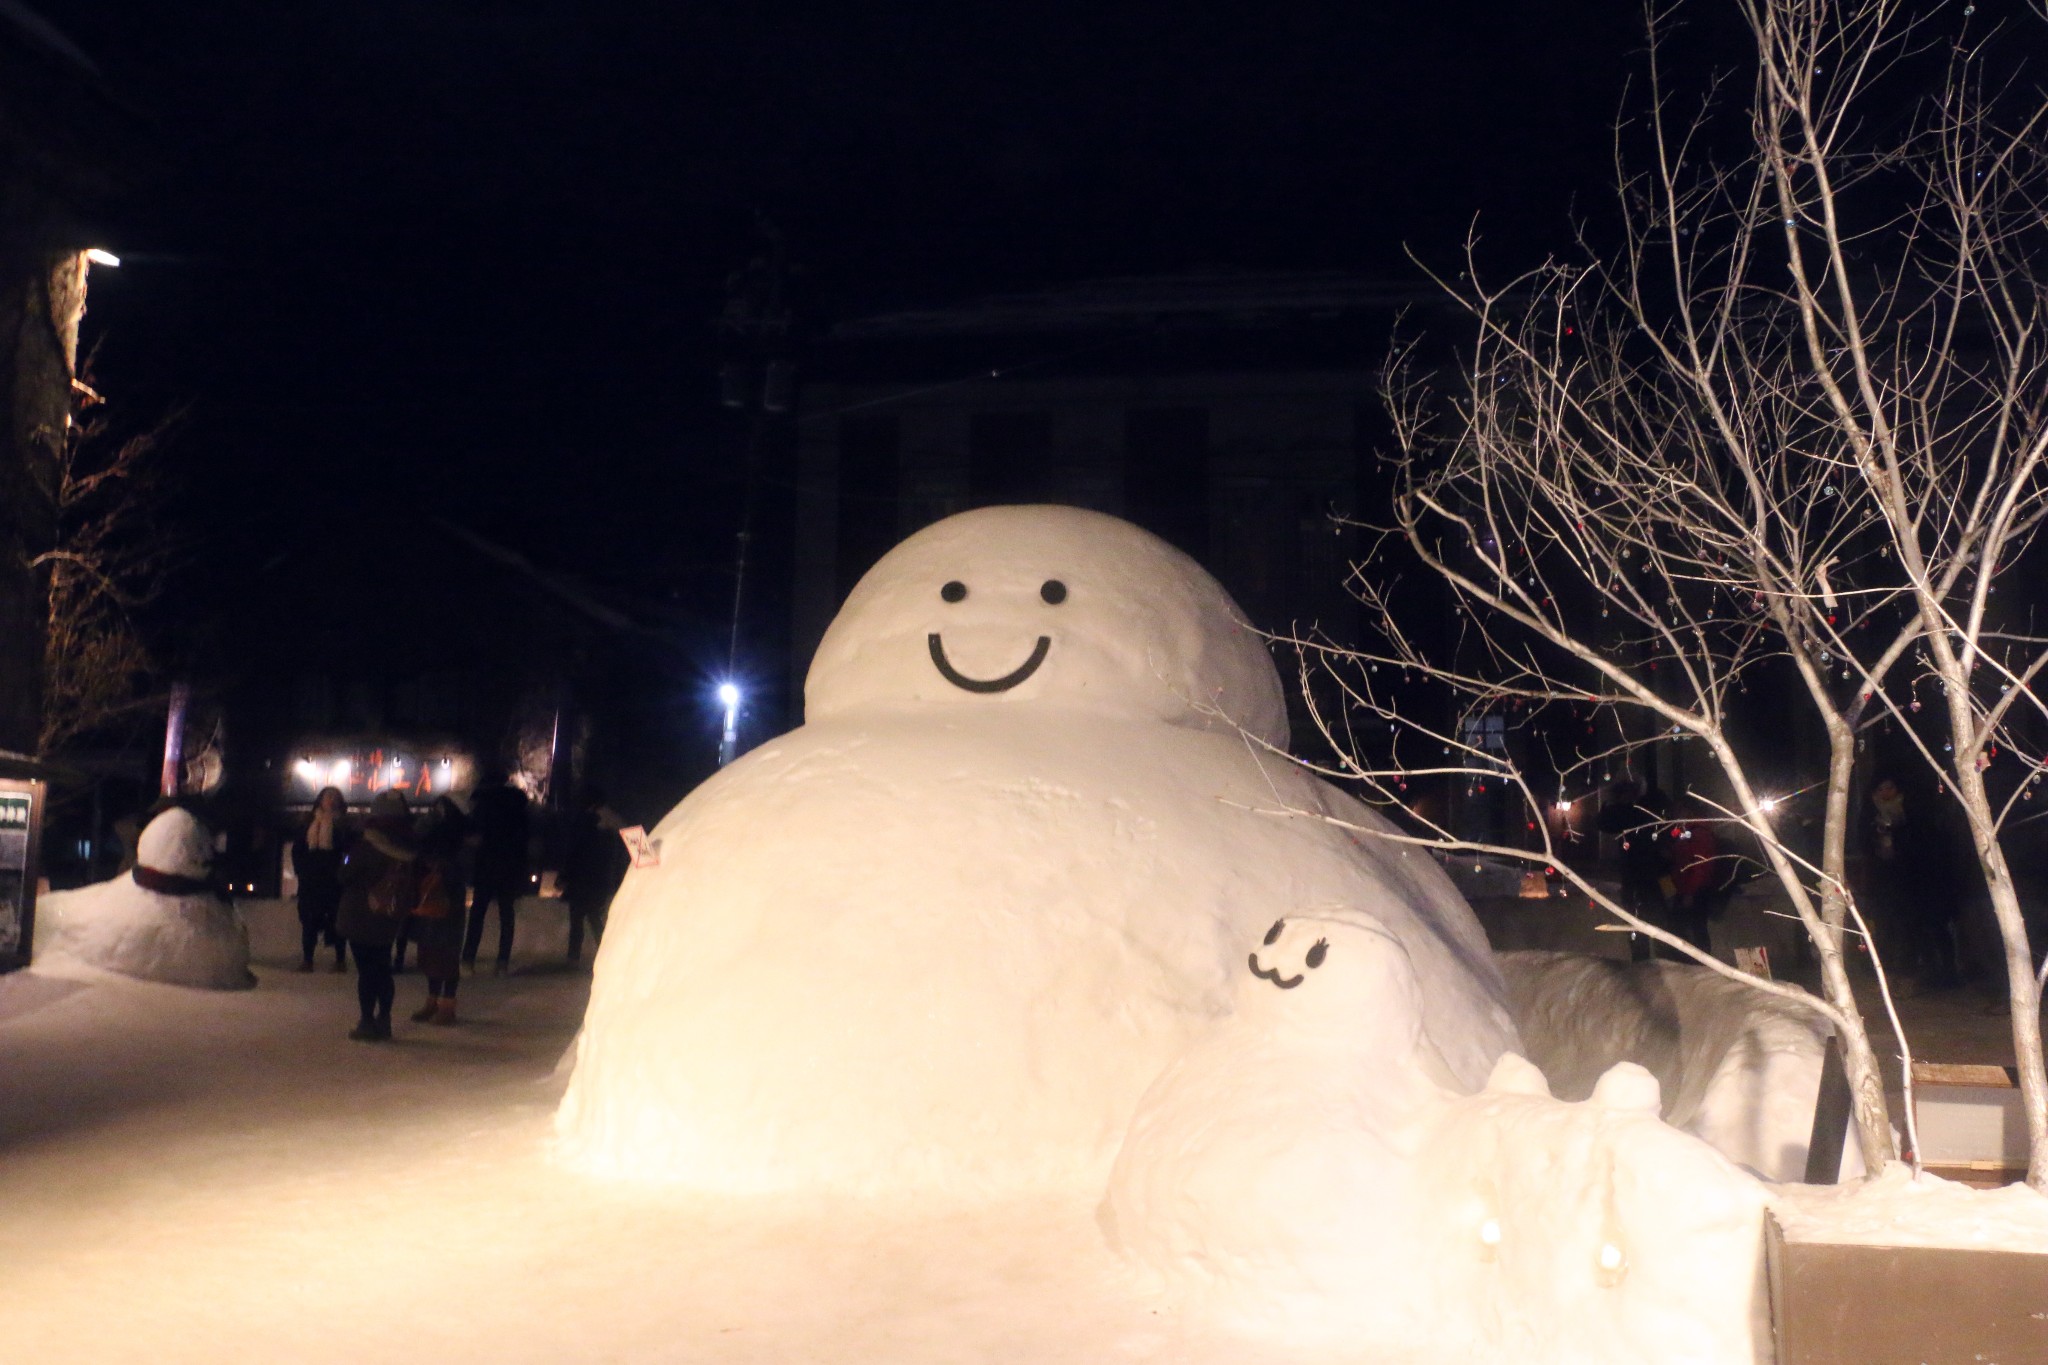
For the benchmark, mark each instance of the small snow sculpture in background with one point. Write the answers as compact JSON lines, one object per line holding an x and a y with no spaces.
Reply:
{"x":160,"y":922}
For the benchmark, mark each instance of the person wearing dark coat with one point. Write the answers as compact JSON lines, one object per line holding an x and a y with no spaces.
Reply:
{"x":498,"y":813}
{"x":592,"y":866}
{"x":1635,"y":819}
{"x":316,"y":859}
{"x":379,"y":888}
{"x":436,"y":922}
{"x":1912,"y":908}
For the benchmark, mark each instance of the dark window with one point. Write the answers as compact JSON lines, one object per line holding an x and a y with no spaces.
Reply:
{"x":868,"y":489}
{"x":1009,"y":455}
{"x":313,"y":702}
{"x":1166,"y":474}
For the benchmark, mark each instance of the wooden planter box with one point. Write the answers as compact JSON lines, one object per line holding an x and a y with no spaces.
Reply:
{"x":1841,"y":1304}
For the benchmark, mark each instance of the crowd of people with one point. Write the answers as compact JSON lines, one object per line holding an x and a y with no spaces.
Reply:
{"x":396,"y":882}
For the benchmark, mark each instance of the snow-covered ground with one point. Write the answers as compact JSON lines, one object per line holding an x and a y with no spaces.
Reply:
{"x":195,"y":1176}
{"x":199,"y":1176}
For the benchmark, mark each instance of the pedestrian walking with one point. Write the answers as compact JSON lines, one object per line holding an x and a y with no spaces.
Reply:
{"x":379,"y":889}
{"x":437,"y":915}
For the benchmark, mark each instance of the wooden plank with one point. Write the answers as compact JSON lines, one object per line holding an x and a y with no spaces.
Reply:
{"x":1964,"y":1073}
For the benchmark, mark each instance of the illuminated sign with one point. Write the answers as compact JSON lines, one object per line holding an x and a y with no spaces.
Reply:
{"x":361,"y":773}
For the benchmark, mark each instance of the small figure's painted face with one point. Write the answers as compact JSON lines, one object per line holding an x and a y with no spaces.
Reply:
{"x":1318,"y":952}
{"x":1052,"y":592}
{"x":1335,"y":977}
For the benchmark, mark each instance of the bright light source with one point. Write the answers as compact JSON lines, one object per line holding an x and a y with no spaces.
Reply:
{"x":339,"y":777}
{"x":1610,"y":1257}
{"x":101,"y":256}
{"x":728,"y":695}
{"x":1489,"y":1232}
{"x":308,"y":769}
{"x":1768,"y":804}
{"x":1564,"y":805}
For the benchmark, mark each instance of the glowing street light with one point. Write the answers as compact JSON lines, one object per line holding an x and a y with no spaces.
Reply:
{"x":101,"y":256}
{"x":729,"y":698}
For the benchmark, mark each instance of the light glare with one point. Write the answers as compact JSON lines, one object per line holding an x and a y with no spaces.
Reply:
{"x":101,"y":256}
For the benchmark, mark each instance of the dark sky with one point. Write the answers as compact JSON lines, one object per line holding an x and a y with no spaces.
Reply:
{"x":463,"y":256}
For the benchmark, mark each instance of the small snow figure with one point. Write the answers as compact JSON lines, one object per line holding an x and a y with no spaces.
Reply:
{"x":1312,"y":1169}
{"x":1273,"y":1162}
{"x":162,"y":921}
{"x":943,"y":936}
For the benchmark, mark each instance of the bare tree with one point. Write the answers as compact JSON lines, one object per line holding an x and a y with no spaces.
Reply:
{"x":108,"y":563}
{"x":1781,"y":436}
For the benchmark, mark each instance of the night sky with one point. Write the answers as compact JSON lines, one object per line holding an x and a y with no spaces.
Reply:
{"x":464,"y":258}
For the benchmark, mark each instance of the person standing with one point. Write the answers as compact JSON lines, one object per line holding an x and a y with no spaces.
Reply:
{"x":437,"y":916}
{"x":1697,"y":874}
{"x":498,"y":812}
{"x":1635,"y":820}
{"x":316,"y":860}
{"x":379,"y":888}
{"x":1906,"y":900}
{"x":592,"y":866}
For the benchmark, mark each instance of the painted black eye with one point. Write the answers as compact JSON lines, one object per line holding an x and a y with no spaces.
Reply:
{"x":1274,"y":932}
{"x":1053,"y":591}
{"x":954,"y":591}
{"x":1317,"y":953}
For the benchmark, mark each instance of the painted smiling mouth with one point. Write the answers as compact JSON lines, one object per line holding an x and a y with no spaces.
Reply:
{"x":1002,"y":684}
{"x":1273,"y":975}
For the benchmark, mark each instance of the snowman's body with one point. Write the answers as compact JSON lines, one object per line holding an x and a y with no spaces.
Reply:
{"x":186,"y":936}
{"x":944,"y":935}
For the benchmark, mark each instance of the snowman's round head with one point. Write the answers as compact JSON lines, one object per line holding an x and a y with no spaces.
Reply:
{"x":175,"y":844}
{"x":1339,"y":976}
{"x":1051,"y":606}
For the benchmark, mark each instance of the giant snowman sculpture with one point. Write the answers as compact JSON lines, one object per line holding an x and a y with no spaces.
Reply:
{"x":942,"y":937}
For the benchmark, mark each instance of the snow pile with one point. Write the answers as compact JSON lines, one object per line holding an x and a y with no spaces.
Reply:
{"x":943,"y":936}
{"x":1738,"y":1068}
{"x":189,"y":939}
{"x":1311,"y":1170}
{"x":1898,"y":1209}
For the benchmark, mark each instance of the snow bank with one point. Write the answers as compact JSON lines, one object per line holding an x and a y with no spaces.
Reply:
{"x":193,"y":939}
{"x":1306,"y":1171}
{"x":1737,"y":1068}
{"x":117,"y":926}
{"x":1901,"y":1210}
{"x":943,"y":936}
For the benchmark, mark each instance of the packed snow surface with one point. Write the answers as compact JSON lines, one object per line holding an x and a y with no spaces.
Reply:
{"x":944,"y":935}
{"x":121,"y":926}
{"x":1900,"y":1209}
{"x":194,"y":1176}
{"x":1738,"y":1068}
